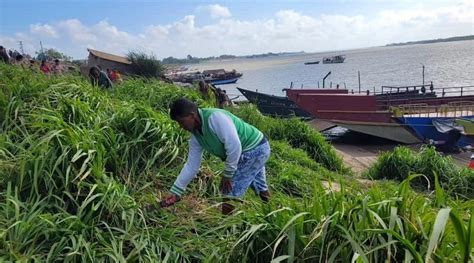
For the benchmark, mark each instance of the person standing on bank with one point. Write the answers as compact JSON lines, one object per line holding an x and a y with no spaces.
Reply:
{"x":243,"y":147}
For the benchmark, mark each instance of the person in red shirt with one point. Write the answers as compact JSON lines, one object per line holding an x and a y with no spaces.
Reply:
{"x":112,"y":76}
{"x":471,"y":163}
{"x":44,"y":68}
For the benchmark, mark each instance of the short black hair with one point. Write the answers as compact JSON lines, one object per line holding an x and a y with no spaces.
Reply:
{"x":94,"y":68}
{"x":181,"y":108}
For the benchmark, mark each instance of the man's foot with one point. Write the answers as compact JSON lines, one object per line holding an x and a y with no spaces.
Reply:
{"x":170,"y":200}
{"x":265,"y":196}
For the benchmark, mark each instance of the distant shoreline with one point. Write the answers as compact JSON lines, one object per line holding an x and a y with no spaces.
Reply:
{"x":450,"y":39}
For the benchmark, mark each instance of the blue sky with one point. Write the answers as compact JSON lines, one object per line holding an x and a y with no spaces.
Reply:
{"x":205,"y":28}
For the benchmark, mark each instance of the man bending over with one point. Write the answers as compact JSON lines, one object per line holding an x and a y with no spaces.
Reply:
{"x":243,"y":147}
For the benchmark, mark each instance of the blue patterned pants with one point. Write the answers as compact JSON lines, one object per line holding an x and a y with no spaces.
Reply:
{"x":251,"y":171}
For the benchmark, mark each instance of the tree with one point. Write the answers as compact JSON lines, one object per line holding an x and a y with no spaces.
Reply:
{"x":172,"y":60}
{"x":52,"y":53}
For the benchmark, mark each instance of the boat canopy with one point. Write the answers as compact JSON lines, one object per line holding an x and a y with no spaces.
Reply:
{"x":447,"y":125}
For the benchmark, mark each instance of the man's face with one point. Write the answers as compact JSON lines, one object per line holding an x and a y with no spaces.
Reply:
{"x":188,"y":123}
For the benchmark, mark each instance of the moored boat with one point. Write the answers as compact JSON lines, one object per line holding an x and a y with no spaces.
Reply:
{"x":277,"y":106}
{"x":373,"y":114}
{"x":334,"y":59}
{"x":215,"y":77}
{"x":223,"y":81}
{"x":447,"y":124}
{"x":221,"y":76}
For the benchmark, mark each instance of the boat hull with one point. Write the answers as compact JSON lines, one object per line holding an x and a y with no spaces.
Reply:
{"x":274,"y":105}
{"x":426,"y":130}
{"x":391,"y":131}
{"x":223,"y":81}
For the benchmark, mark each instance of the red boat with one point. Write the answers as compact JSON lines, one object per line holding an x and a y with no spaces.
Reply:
{"x":377,"y":114}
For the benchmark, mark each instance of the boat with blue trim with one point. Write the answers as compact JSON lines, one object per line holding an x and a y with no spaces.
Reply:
{"x":395,"y":113}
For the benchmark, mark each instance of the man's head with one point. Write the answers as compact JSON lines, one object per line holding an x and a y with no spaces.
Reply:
{"x":185,"y":112}
{"x":94,"y":71}
{"x":56,"y":61}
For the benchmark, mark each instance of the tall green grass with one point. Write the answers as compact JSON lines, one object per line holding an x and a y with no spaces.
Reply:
{"x":77,"y":165}
{"x":400,"y":163}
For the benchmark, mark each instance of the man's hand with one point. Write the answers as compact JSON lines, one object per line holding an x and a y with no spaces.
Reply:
{"x":170,"y":200}
{"x":226,"y":185}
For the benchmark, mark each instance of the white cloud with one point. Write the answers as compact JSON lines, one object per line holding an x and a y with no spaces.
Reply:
{"x":287,"y":30}
{"x":216,"y":11}
{"x":77,"y":31}
{"x":43,"y":30}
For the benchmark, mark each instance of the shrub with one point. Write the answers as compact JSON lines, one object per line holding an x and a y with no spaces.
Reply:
{"x":145,"y":65}
{"x":400,"y":163}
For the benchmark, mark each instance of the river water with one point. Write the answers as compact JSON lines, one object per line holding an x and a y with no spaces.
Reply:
{"x":448,"y":64}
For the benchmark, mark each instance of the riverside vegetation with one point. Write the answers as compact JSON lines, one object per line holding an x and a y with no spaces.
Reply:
{"x":78,"y":164}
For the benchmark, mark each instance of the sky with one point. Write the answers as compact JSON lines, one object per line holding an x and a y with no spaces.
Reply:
{"x":212,"y":28}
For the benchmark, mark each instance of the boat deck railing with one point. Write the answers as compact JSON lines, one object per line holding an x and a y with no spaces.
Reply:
{"x":427,"y":89}
{"x":392,"y":96}
{"x":450,"y":110}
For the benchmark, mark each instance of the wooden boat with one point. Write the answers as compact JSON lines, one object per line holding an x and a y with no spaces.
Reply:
{"x":221,"y":76}
{"x":215,"y":77}
{"x":281,"y":106}
{"x":223,"y":81}
{"x":277,"y":106}
{"x":312,"y":62}
{"x":374,"y":114}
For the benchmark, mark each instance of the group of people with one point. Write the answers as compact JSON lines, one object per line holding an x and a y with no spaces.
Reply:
{"x":56,"y":68}
{"x":48,"y":67}
{"x":13,"y":57}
